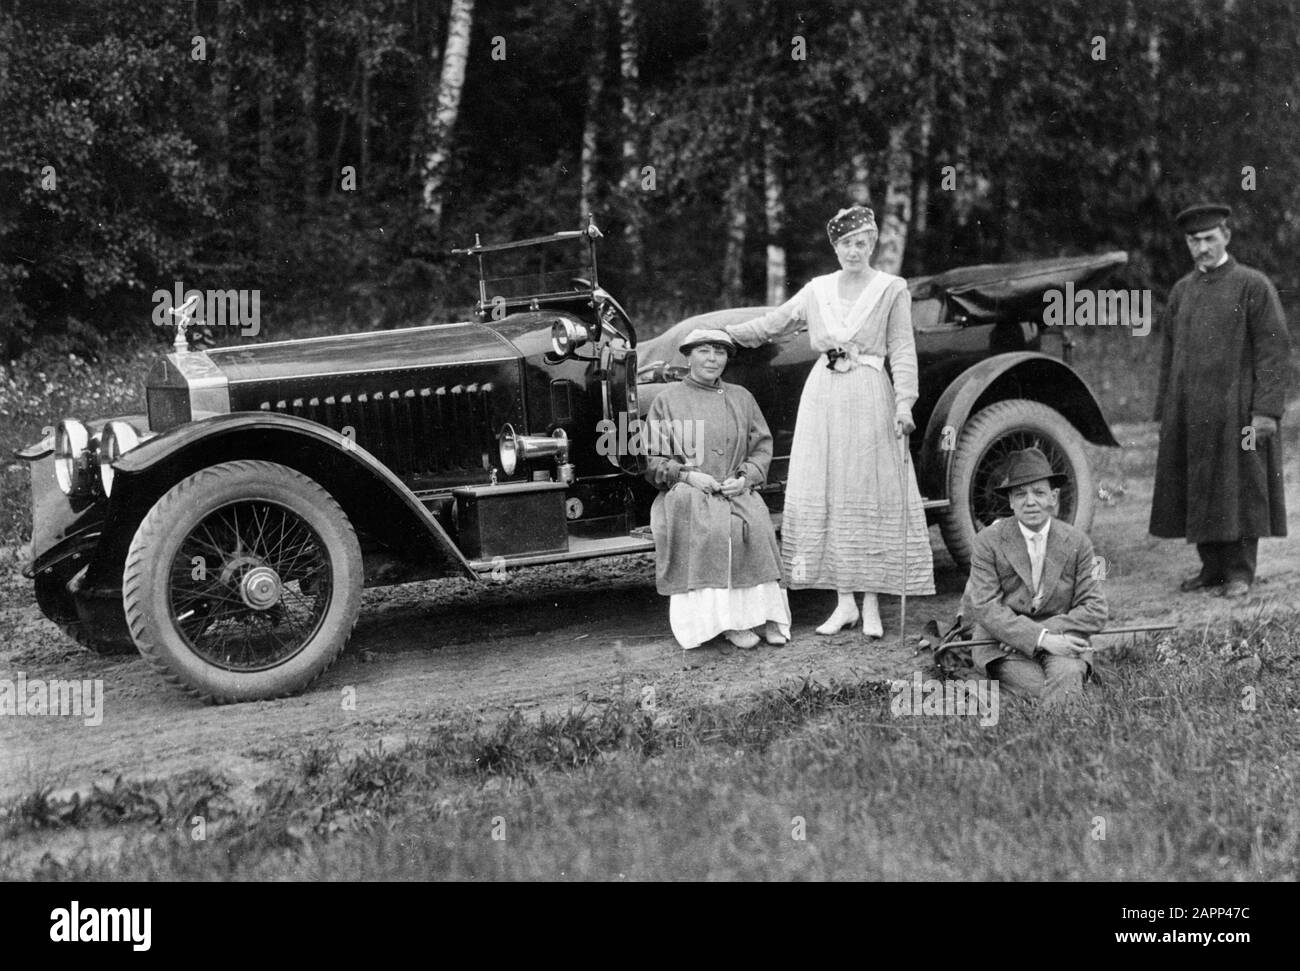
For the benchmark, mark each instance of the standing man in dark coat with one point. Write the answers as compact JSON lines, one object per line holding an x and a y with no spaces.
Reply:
{"x":1222,"y":391}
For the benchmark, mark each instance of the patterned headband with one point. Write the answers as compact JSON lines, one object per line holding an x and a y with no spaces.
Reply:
{"x":849,"y":221}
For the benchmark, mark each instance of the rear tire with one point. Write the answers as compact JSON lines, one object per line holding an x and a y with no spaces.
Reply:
{"x":243,"y":582}
{"x":982,"y":449}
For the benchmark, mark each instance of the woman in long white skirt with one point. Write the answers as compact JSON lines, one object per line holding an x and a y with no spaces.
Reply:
{"x":842,"y":528}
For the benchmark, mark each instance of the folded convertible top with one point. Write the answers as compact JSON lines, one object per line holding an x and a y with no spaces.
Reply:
{"x":999,"y":291}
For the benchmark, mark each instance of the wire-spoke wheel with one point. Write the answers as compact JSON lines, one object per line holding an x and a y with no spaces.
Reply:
{"x":243,"y":582}
{"x":980,"y":459}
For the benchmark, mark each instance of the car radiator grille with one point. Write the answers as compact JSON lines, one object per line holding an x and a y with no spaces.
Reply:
{"x":411,"y":430}
{"x":167,"y":407}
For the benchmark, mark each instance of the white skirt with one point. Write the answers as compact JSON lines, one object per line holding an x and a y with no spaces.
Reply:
{"x":702,"y":615}
{"x":842,"y":527}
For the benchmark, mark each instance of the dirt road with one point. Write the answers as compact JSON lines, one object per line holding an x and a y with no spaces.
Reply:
{"x":544,"y":639}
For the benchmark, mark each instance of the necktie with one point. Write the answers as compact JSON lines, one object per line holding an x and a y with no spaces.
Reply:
{"x":1036,"y":563}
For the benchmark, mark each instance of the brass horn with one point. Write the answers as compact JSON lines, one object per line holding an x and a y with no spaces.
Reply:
{"x":514,"y":448}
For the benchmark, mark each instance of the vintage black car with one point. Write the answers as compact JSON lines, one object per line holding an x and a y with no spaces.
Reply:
{"x":228,"y":533}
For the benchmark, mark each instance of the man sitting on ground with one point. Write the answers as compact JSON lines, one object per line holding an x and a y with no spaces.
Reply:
{"x":1034,"y":589}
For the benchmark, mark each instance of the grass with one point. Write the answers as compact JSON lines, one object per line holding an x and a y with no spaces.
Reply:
{"x":1188,"y":780}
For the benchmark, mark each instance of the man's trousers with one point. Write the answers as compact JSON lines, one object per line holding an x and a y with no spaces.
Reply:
{"x":1225,"y":562}
{"x":1049,"y":681}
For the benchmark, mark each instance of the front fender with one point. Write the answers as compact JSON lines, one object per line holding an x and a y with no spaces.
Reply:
{"x":63,"y":527}
{"x":377,"y":501}
{"x":1022,"y":374}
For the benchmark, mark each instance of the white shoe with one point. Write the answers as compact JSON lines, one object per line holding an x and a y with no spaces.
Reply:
{"x":746,"y":640}
{"x":846,"y":615}
{"x":871,"y":624}
{"x":772,"y":634}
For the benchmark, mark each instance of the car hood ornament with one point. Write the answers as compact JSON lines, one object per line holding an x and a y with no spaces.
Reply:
{"x":184,"y":318}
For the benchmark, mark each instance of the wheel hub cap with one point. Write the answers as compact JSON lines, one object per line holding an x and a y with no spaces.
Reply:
{"x":260,"y":588}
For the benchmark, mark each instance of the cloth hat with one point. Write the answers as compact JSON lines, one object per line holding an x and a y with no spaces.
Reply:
{"x":1028,"y":465}
{"x":702,"y":335}
{"x":848,"y":221}
{"x":1202,"y":216}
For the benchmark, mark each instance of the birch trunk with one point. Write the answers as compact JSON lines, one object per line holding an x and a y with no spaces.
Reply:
{"x":445,"y":108}
{"x":428,"y":60}
{"x":363,"y":123}
{"x":774,"y":210}
{"x":337,"y":163}
{"x":860,"y":180}
{"x":629,"y":73}
{"x":921,"y":173}
{"x":266,"y":156}
{"x":310,"y":123}
{"x":221,"y":98}
{"x":898,"y":205}
{"x":737,"y":216}
{"x":590,"y":189}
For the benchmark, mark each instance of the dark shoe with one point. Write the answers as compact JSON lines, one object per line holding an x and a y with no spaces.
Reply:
{"x":1198,"y":582}
{"x":1235,"y":589}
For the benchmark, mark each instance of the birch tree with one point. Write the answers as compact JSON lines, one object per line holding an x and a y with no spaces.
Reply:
{"x":897,"y":211}
{"x":629,"y":72}
{"x":443,"y":109}
{"x":310,"y":123}
{"x":737,"y":217}
{"x":774,"y":211}
{"x":590,"y":189}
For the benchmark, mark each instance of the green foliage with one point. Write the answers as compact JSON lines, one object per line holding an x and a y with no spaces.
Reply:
{"x":103,"y":187}
{"x":228,"y":171}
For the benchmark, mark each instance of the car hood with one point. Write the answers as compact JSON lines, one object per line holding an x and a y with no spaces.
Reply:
{"x":369,"y":352}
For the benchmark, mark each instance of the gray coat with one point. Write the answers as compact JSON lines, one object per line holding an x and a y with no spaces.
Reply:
{"x":709,"y":541}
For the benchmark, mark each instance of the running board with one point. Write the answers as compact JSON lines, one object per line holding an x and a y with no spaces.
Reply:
{"x":579,"y":549}
{"x":589,"y":549}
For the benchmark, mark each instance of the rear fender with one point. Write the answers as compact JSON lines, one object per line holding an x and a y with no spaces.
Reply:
{"x":1024,"y":374}
{"x":375,"y":500}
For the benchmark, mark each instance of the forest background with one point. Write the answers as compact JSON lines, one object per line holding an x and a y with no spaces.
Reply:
{"x":330,"y":154}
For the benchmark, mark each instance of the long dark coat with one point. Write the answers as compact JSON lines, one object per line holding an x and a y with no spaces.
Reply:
{"x":1226,"y":356}
{"x":708,"y":541}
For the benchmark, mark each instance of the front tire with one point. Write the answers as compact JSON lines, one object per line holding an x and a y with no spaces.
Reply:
{"x":243,"y":582}
{"x":980,"y":458}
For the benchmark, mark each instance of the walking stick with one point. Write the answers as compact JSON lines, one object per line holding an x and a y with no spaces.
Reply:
{"x":943,"y":646}
{"x":902,"y":601}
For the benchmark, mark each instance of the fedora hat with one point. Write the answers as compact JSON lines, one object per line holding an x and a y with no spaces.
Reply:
{"x":1028,"y":465}
{"x":701,"y":335}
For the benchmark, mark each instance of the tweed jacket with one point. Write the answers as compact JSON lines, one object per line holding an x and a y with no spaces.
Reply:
{"x":999,"y":594}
